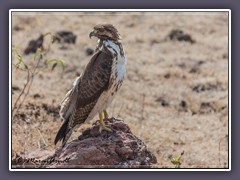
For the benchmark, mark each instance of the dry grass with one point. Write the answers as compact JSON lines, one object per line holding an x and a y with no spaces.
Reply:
{"x":175,"y":95}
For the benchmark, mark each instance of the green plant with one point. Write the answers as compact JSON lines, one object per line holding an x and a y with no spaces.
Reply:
{"x":177,"y":160}
{"x":31,"y":69}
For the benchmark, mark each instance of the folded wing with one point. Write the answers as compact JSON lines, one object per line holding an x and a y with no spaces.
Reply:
{"x":81,"y":99}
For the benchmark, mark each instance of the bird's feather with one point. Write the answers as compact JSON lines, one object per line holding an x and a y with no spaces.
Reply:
{"x":94,"y":90}
{"x":81,"y":99}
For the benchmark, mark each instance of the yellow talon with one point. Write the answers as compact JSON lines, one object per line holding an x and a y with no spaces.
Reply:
{"x":102,"y":124}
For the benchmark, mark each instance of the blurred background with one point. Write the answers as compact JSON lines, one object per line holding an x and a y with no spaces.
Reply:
{"x":174,"y":96}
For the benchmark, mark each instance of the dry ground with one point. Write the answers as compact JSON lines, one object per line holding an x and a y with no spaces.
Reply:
{"x":174,"y":97}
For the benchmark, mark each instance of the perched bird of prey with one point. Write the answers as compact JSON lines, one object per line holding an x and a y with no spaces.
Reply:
{"x":94,"y":90}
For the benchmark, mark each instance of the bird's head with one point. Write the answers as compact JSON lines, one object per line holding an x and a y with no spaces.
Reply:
{"x":105,"y":31}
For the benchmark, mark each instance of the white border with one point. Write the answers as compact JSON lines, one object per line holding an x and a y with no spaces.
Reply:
{"x":229,"y":89}
{"x":119,"y":10}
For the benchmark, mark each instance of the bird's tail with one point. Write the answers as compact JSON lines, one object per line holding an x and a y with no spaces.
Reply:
{"x":62,"y":133}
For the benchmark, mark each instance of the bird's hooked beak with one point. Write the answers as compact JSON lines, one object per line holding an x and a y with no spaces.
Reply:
{"x":92,"y":34}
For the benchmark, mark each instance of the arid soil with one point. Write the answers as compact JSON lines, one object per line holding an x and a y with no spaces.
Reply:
{"x":175,"y":94}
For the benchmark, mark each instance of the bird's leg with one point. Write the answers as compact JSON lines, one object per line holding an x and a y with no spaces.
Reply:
{"x":102,"y":124}
{"x":105,"y":114}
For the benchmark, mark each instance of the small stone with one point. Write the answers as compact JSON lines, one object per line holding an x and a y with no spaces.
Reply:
{"x":89,"y":51}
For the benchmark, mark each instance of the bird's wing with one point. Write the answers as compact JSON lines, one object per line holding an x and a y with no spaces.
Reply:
{"x":94,"y":80}
{"x":81,"y":99}
{"x":67,"y":106}
{"x":69,"y":101}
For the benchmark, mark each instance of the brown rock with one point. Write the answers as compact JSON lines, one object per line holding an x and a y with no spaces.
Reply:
{"x":116,"y":149}
{"x":33,"y":45}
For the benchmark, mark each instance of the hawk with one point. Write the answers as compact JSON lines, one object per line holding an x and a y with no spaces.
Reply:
{"x":96,"y":87}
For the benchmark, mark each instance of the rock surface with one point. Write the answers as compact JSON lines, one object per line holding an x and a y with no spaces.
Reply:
{"x":116,"y":149}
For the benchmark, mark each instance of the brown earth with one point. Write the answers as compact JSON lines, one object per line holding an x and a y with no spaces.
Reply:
{"x":175,"y":94}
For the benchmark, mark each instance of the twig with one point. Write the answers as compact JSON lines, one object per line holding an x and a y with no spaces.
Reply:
{"x":40,"y":135}
{"x":20,"y":95}
{"x":113,"y":109}
{"x":143,"y":107}
{"x":30,"y":77}
{"x":120,"y":110}
{"x":31,"y":73}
